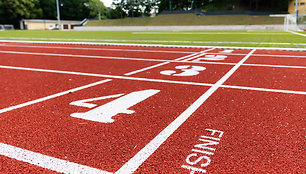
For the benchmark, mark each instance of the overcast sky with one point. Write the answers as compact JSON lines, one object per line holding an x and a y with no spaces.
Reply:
{"x":107,"y":3}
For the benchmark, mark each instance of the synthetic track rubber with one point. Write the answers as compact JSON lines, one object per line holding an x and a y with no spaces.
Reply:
{"x":262,"y":131}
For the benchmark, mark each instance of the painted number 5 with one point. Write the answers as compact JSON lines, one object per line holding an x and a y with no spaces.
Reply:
{"x":121,"y":105}
{"x":187,"y":70}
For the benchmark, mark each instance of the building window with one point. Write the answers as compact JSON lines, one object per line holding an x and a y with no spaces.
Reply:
{"x":302,"y":3}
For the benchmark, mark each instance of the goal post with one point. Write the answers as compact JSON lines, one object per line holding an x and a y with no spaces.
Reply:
{"x":6,"y":27}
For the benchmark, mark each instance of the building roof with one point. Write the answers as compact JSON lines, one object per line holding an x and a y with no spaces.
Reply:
{"x":50,"y":21}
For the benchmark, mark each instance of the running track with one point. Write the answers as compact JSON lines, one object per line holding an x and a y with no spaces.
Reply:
{"x":123,"y":109}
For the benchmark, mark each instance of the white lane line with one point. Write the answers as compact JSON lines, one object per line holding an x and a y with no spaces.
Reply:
{"x":106,"y":76}
{"x":264,"y":89}
{"x":209,"y":33}
{"x":296,"y":33}
{"x":52,"y":96}
{"x":152,"y":41}
{"x":102,"y":57}
{"x":275,"y":66}
{"x":150,"y":45}
{"x":96,"y":49}
{"x":154,"y":144}
{"x":279,"y":56}
{"x":149,"y":80}
{"x":47,"y":162}
{"x":132,"y":50}
{"x":79,"y":56}
{"x":158,"y":41}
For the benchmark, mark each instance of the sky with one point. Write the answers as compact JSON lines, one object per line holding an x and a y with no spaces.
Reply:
{"x":107,"y":3}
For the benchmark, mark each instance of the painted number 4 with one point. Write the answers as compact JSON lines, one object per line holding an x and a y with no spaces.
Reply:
{"x":186,"y":70}
{"x":121,"y":105}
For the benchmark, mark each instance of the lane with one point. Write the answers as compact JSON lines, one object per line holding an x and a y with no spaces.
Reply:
{"x":281,"y":52}
{"x":272,"y":78}
{"x":71,"y":63}
{"x":244,"y":132}
{"x":50,"y":129}
{"x":21,"y":86}
{"x":9,"y":165}
{"x":106,"y":52}
{"x":289,"y":61}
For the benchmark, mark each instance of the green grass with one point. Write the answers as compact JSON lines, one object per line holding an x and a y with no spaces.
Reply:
{"x":190,"y":19}
{"x":198,"y":38}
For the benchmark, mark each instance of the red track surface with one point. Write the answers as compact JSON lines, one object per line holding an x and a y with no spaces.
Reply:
{"x":193,"y":123}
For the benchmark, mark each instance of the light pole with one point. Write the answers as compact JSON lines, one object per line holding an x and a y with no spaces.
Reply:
{"x":296,"y":10}
{"x":58,"y":15}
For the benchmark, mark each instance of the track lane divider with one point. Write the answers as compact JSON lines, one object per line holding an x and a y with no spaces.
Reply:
{"x":45,"y":161}
{"x":153,"y":80}
{"x":131,"y":50}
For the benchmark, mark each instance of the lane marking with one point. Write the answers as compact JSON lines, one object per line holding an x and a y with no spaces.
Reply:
{"x":150,"y":60}
{"x":132,"y":50}
{"x":152,"y":45}
{"x":47,"y":162}
{"x":96,"y":49}
{"x":275,"y":66}
{"x":296,"y":33}
{"x":210,"y":33}
{"x":186,"y":70}
{"x":107,"y":76}
{"x":150,"y":80}
{"x":120,"y":105}
{"x":154,"y":41}
{"x":132,"y":165}
{"x":52,"y":96}
{"x":264,"y":89}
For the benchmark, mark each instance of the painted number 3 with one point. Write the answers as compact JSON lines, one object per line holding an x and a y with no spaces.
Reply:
{"x":187,"y":70}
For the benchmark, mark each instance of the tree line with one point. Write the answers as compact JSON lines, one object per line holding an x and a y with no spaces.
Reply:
{"x":12,"y":11}
{"x":145,"y":7}
{"x":226,"y":5}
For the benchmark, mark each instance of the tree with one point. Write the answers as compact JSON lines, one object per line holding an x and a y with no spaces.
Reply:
{"x":136,"y":8}
{"x":13,"y":11}
{"x":226,"y":5}
{"x":97,"y":9}
{"x":116,"y":13}
{"x":49,"y":9}
{"x":74,"y":9}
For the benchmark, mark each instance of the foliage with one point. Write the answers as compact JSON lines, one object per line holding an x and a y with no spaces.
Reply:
{"x":11,"y":11}
{"x":136,"y":8}
{"x":212,"y":5}
{"x":97,"y":9}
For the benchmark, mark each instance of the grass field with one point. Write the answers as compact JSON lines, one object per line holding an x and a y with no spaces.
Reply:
{"x":200,"y":38}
